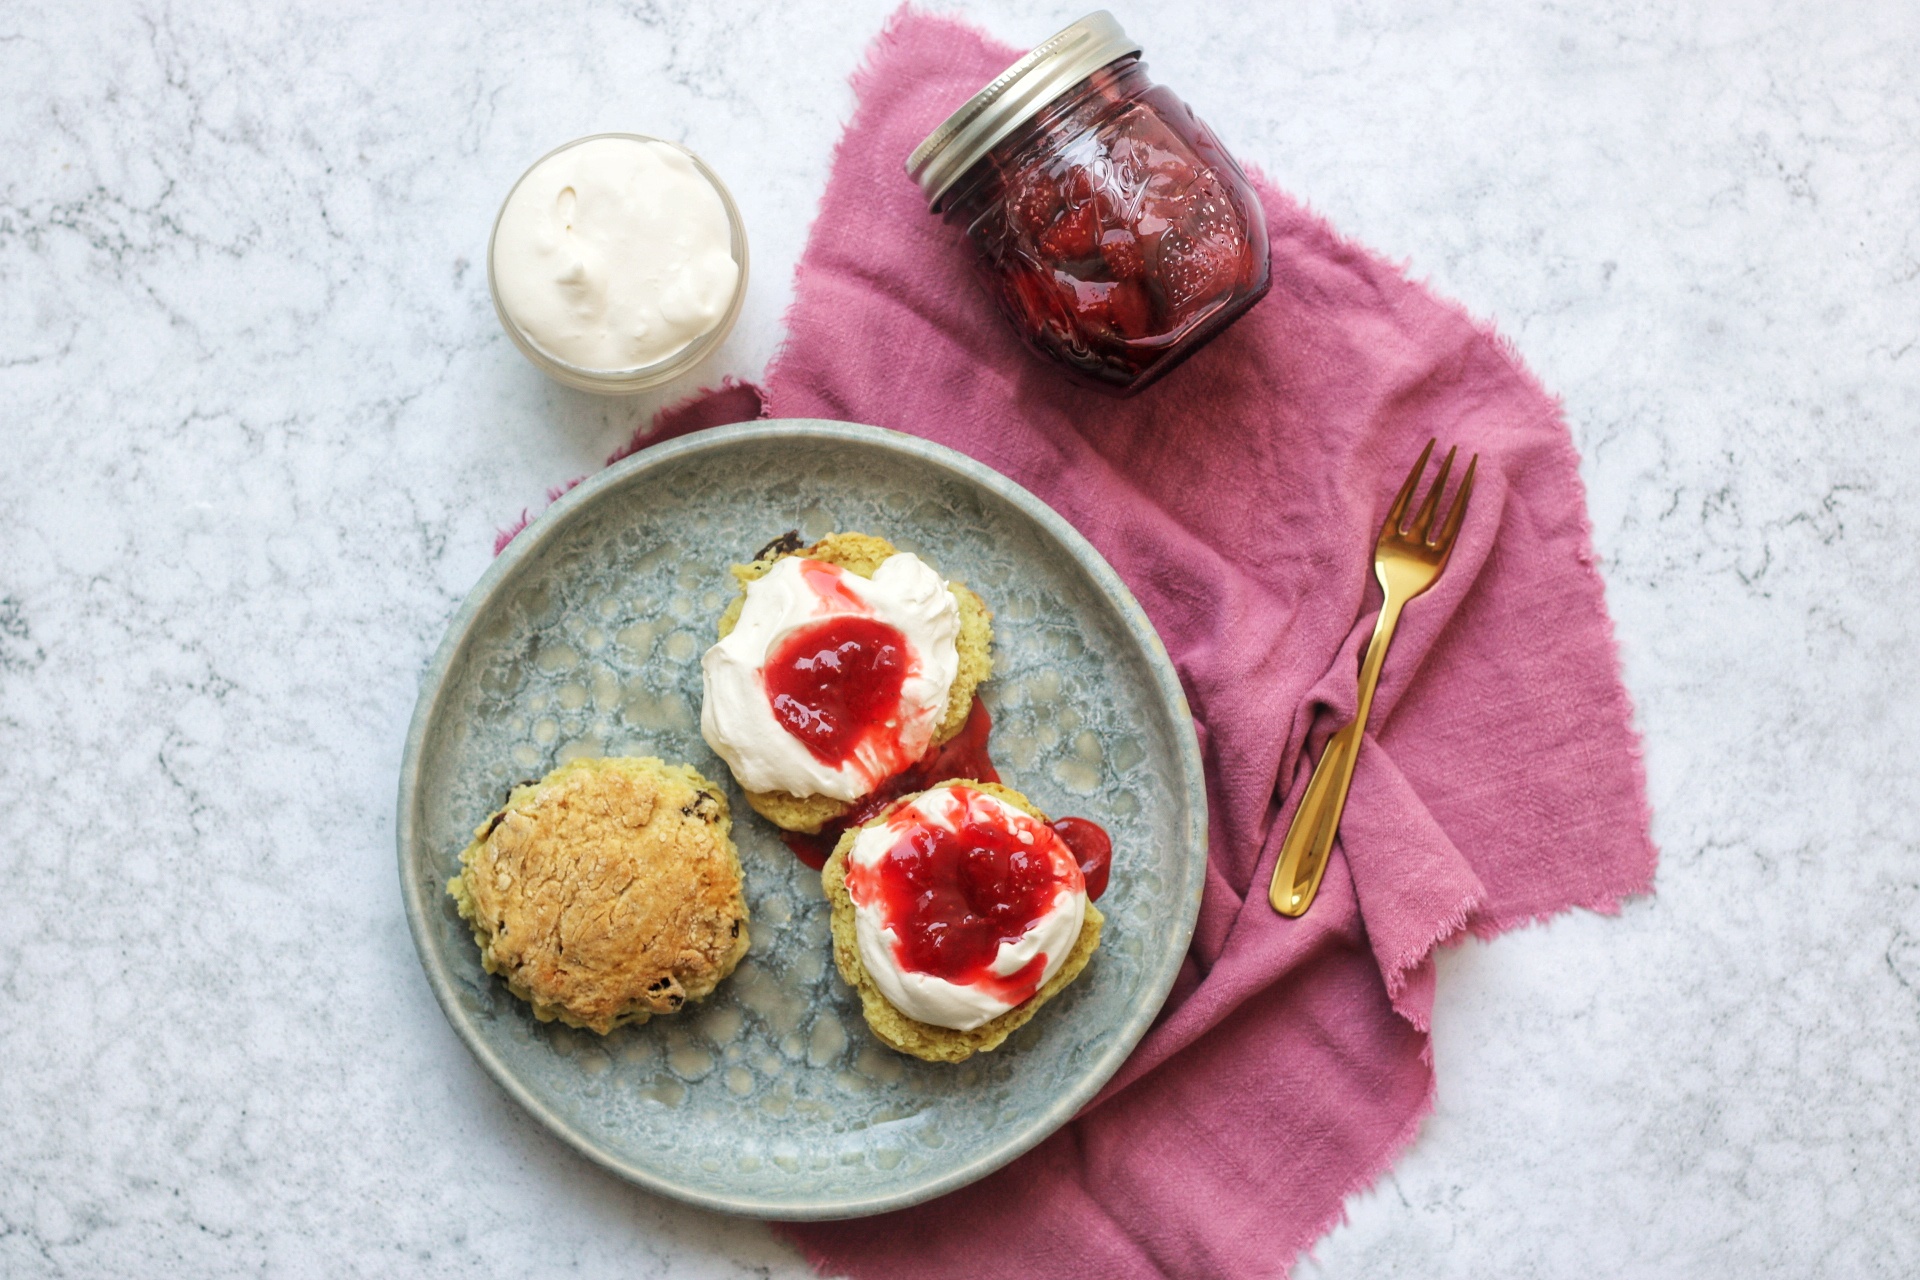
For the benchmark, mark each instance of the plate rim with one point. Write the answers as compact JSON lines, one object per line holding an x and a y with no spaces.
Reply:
{"x":554,"y":521}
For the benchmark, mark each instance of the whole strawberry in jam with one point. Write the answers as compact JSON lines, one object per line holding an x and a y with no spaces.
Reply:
{"x":1120,"y":249}
{"x":1073,"y":236}
{"x":1032,"y":204}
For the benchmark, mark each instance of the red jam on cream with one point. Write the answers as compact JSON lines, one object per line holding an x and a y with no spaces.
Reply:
{"x":831,"y":683}
{"x":834,"y":684}
{"x":963,"y":905}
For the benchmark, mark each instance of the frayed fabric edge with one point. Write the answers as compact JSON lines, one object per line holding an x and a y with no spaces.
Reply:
{"x":1589,"y":561}
{"x":1467,"y":920}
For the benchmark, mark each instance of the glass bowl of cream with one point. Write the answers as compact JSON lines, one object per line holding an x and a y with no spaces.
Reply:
{"x":617,"y":262}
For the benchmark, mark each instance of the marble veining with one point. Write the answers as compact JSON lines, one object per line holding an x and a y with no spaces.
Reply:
{"x":261,"y":425}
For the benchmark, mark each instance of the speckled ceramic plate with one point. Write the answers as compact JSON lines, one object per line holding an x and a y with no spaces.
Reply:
{"x":584,"y":638}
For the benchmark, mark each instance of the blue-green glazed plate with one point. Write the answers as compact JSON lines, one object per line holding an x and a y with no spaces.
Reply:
{"x":770,"y":1098}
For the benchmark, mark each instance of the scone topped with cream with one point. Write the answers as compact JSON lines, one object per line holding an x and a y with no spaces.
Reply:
{"x":957,"y":913}
{"x":838,"y":666}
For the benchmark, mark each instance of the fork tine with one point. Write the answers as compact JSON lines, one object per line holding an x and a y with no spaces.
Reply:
{"x":1398,"y":511}
{"x":1450,"y":528}
{"x":1424,"y":520}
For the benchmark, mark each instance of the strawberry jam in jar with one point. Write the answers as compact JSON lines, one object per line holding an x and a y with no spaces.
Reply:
{"x":1111,"y":226}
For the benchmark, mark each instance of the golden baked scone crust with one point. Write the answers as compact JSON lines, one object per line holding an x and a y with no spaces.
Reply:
{"x":894,"y":1028}
{"x":607,"y":892}
{"x":864,"y":554}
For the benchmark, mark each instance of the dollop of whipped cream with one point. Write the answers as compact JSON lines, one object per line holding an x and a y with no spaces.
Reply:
{"x":614,"y":253}
{"x":737,"y":717}
{"x":927,"y":997}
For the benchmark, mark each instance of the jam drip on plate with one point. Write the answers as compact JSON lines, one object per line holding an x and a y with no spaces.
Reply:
{"x":836,"y":684}
{"x":964,"y":755}
{"x":1092,"y":848}
{"x":954,"y":897}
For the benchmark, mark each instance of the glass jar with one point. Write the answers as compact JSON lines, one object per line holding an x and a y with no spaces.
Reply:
{"x":1110,"y":225}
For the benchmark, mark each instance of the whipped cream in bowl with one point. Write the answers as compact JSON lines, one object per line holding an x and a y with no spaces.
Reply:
{"x":617,"y":262}
{"x":964,"y":906}
{"x":830,"y":683}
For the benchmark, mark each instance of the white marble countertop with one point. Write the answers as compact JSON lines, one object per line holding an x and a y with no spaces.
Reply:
{"x":260,"y":425}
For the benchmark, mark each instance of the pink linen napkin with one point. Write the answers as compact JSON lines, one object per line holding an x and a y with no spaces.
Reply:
{"x":1239,"y":499}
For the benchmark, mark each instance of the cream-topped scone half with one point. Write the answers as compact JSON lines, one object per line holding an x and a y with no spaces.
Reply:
{"x":837,"y":668}
{"x":957,"y":913}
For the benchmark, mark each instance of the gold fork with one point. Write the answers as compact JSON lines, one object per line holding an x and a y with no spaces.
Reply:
{"x":1406,"y":563}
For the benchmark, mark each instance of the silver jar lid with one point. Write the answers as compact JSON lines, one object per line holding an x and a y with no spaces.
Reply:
{"x":1015,"y":97}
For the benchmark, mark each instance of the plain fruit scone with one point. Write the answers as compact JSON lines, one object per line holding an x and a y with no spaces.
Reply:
{"x":607,"y":892}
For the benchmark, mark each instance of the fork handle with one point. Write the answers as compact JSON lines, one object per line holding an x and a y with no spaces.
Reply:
{"x":1297,"y":877}
{"x":1309,"y":839}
